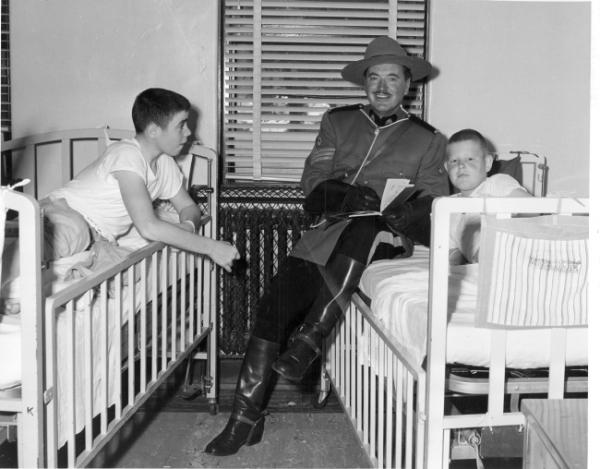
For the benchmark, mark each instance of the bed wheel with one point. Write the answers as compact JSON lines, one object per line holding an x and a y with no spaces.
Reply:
{"x":191,"y":391}
{"x":213,"y":408}
{"x":320,"y":398}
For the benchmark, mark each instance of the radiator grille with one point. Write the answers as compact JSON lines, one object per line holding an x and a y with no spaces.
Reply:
{"x":263,"y":222}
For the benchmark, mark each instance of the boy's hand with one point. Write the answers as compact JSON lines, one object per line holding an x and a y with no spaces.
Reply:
{"x":223,"y":254}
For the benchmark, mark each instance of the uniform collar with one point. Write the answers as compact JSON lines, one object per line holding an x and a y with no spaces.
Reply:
{"x":386,"y":120}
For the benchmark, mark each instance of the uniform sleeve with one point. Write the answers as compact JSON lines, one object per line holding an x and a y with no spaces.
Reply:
{"x":319,"y":164}
{"x":431,"y":176}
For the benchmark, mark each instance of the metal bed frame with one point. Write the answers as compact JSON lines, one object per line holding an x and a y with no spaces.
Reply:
{"x":170,"y":318}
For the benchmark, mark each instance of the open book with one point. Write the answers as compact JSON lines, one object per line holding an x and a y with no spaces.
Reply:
{"x":395,"y":193}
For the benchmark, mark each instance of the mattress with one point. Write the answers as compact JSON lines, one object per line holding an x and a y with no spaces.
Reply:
{"x":398,"y":290}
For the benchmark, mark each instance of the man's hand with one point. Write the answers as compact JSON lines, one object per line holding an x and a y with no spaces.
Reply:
{"x":359,"y":198}
{"x":334,"y":196}
{"x":223,"y":254}
{"x":412,"y":219}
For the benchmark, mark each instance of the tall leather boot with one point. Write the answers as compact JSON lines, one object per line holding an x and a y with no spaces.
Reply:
{"x":341,"y":276}
{"x":246,"y":423}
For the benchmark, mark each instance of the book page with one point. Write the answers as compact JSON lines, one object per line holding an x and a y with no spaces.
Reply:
{"x":393,"y":187}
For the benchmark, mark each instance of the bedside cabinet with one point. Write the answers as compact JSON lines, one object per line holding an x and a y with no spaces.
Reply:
{"x":555,"y":433}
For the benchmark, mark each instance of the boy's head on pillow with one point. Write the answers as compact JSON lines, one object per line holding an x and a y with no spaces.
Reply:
{"x":161,"y":116}
{"x":468,"y":160}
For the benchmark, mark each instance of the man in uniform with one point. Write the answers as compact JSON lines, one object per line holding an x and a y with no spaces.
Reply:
{"x":357,"y":150}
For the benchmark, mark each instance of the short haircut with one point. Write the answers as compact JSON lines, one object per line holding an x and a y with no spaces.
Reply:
{"x":471,"y":135}
{"x":158,"y":106}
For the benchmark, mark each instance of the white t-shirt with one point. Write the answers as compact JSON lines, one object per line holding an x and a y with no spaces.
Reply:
{"x":464,"y":228}
{"x":95,"y":193}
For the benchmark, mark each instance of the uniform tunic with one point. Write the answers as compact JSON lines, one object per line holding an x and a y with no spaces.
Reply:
{"x":352,"y":148}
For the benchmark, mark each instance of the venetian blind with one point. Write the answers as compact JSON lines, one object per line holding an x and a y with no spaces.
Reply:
{"x":281,"y":71}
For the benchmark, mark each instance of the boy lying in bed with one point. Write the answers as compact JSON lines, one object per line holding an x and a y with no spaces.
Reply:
{"x":115,"y":193}
{"x":468,"y":160}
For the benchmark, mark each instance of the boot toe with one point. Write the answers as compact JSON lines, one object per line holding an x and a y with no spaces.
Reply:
{"x":223,"y":446}
{"x":235,"y":435}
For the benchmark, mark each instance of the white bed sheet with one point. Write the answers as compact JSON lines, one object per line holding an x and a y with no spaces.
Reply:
{"x":398,"y":292}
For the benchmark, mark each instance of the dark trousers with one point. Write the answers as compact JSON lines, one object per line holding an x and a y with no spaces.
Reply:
{"x":287,"y":300}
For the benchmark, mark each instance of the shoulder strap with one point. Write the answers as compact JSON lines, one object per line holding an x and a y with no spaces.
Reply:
{"x":422,"y":123}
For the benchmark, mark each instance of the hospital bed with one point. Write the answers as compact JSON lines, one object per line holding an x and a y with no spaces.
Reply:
{"x":85,"y":346}
{"x":396,"y":361}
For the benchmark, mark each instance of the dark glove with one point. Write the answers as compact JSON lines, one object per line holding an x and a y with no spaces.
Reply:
{"x":359,"y":198}
{"x":412,"y":219}
{"x":333,"y":196}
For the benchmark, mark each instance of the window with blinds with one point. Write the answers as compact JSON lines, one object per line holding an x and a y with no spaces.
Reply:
{"x":281,"y":71}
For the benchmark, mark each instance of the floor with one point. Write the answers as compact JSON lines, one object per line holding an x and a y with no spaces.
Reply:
{"x":171,"y":431}
{"x":296,"y":433}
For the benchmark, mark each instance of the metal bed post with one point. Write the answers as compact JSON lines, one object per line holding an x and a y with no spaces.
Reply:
{"x":29,"y":407}
{"x":207,"y":273}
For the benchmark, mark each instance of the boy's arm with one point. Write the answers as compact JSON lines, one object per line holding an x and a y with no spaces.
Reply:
{"x":187,"y":209}
{"x":139,"y":205}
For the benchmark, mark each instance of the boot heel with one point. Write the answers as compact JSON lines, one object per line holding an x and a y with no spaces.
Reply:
{"x":256,"y":433}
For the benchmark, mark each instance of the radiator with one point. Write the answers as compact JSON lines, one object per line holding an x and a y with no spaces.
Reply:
{"x":263,"y":222}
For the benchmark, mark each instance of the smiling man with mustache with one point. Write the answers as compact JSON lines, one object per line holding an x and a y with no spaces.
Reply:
{"x":357,"y":150}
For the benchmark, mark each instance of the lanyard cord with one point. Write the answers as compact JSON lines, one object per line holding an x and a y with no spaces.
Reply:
{"x":362,"y":165}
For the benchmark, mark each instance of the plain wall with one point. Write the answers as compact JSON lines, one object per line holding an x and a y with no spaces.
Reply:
{"x":80,"y":63}
{"x":519,"y":72}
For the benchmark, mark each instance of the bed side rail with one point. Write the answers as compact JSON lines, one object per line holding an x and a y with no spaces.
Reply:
{"x":51,"y":159}
{"x":380,"y":387}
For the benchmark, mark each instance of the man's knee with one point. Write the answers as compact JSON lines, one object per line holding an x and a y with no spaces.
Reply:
{"x":358,"y":237}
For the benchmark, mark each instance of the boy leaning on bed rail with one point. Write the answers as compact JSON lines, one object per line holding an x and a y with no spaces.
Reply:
{"x":112,"y":197}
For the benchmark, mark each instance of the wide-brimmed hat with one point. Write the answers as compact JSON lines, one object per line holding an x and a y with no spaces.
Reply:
{"x":384,"y":49}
